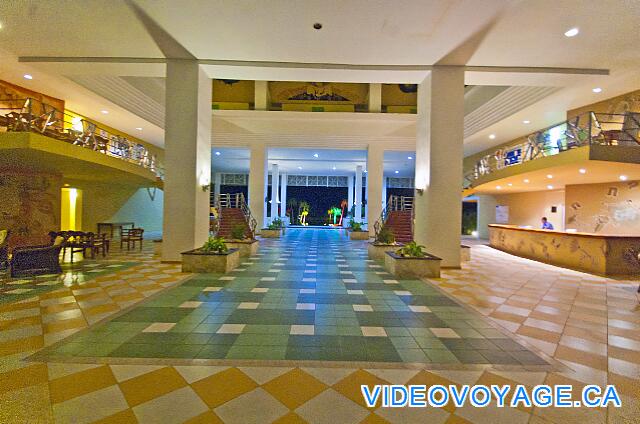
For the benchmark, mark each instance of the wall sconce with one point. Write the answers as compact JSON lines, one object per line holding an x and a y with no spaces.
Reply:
{"x":420,"y":191}
{"x":205,"y":187}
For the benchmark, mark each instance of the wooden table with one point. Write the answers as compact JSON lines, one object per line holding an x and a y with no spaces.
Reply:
{"x":110,"y":226}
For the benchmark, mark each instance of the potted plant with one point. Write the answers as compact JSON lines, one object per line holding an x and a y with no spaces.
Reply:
{"x":280,"y":224}
{"x":411,"y":261}
{"x":213,"y":256}
{"x":272,"y":231}
{"x":385,"y":241}
{"x":356,"y":232}
{"x":241,"y":239}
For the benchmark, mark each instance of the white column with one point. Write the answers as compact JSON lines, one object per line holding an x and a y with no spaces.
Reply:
{"x":375,"y":165}
{"x":384,"y":191}
{"x":375,"y":97}
{"x":357,"y":216}
{"x":275,"y":180}
{"x":261,"y":95}
{"x":283,"y":197}
{"x":486,"y":214}
{"x":439,"y":154}
{"x":216,"y":185}
{"x":350,"y":192}
{"x":257,"y":179}
{"x":187,"y":158}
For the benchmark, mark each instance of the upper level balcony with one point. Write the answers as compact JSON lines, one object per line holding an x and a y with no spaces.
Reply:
{"x":587,"y":137}
{"x":35,"y":134}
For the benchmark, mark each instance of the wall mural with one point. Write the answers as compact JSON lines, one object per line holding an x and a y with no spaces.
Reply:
{"x":314,"y":92}
{"x":604,"y":208}
{"x":31,"y":205}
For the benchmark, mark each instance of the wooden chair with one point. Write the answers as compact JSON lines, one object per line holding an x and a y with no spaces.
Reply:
{"x":131,"y":236}
{"x":101,"y":245}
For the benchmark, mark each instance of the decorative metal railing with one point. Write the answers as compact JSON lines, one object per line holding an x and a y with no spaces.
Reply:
{"x":32,"y":115}
{"x":590,"y":128}
{"x":394,"y":203}
{"x":236,"y":201}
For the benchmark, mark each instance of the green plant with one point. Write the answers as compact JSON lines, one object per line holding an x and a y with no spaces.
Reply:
{"x":238,"y":232}
{"x":273,"y":226}
{"x":215,"y":245}
{"x":355,"y":226}
{"x":385,"y":236}
{"x":278,"y":223}
{"x":411,"y":250}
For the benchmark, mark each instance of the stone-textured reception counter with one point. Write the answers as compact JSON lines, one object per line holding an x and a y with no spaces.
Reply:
{"x":596,"y":253}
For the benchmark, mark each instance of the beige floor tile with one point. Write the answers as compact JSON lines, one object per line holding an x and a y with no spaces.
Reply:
{"x":174,"y":407}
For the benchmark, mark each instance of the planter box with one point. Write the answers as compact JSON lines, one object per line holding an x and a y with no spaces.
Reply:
{"x":266,"y":233}
{"x":402,"y":267}
{"x":246,"y":247}
{"x":196,"y":261}
{"x":359,"y":235}
{"x":465,"y":253}
{"x":377,"y":251}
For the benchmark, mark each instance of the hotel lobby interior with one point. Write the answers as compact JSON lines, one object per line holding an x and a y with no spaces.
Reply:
{"x":252,"y":211}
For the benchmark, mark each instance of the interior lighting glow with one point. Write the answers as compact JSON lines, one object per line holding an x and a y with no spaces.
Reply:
{"x":623,"y":178}
{"x":571,"y":32}
{"x":582,"y":171}
{"x":597,"y":90}
{"x":492,"y":136}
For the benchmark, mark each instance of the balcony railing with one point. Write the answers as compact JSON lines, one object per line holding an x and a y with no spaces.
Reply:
{"x":591,"y":128}
{"x":32,"y":115}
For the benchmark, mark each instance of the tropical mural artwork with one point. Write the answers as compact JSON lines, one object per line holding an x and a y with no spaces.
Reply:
{"x":314,"y":92}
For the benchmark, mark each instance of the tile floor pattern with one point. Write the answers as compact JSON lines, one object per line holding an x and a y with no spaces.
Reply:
{"x":308,"y":298}
{"x":590,"y":324}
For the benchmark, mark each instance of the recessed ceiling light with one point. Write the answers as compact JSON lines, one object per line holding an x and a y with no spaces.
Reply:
{"x":492,"y":136}
{"x":623,"y":178}
{"x":550,"y":187}
{"x":104,"y":111}
{"x":28,"y":76}
{"x":139,"y":128}
{"x":317,"y":26}
{"x":549,"y":176}
{"x":299,"y":167}
{"x":217,"y":153}
{"x":572,"y":32}
{"x":498,"y":187}
{"x":397,"y":172}
{"x":526,"y":181}
{"x":526,"y":121}
{"x":510,"y":184}
{"x":334,"y":168}
{"x":409,"y":157}
{"x":582,"y":171}
{"x":597,"y":90}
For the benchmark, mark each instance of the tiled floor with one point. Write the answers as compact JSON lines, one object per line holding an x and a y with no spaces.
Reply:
{"x":588,"y":325}
{"x":307,"y":298}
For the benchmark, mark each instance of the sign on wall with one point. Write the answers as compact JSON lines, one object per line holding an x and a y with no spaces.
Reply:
{"x":502,"y":214}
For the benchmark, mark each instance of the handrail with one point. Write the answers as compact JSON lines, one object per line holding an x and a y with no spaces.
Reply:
{"x":237,"y":201}
{"x":587,"y":129}
{"x":32,"y":115}
{"x":394,"y":203}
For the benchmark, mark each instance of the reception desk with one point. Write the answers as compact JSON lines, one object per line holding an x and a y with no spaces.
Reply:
{"x":595,"y":253}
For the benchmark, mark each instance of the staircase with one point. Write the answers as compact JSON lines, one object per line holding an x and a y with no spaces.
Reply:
{"x":398,"y":217}
{"x":232,"y":211}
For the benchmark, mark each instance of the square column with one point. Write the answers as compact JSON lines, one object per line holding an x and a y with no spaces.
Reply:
{"x":261,"y":95}
{"x":350,"y":193}
{"x":283,"y":197}
{"x":257,"y":184}
{"x":357,"y":216}
{"x":275,"y":180}
{"x":375,"y":166}
{"x":486,"y":214}
{"x":375,"y":97}
{"x":384,"y":191}
{"x":187,"y":158}
{"x":439,"y":154}
{"x":216,"y":186}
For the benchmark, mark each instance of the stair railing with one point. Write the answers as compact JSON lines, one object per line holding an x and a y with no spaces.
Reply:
{"x":247,"y":214}
{"x":395,"y":203}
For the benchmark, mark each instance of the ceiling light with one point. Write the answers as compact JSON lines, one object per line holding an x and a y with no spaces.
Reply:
{"x":299,"y":167}
{"x":597,"y":90}
{"x":549,"y":176}
{"x":317,"y":26}
{"x":623,"y":178}
{"x":397,"y":172}
{"x":315,"y":155}
{"x":365,"y":171}
{"x":572,"y":32}
{"x":28,"y":76}
{"x":104,"y":111}
{"x":510,"y":184}
{"x":526,"y":181}
{"x":582,"y":171}
{"x":409,"y":157}
{"x":334,"y":168}
{"x":526,"y":121}
{"x":498,"y":187}
{"x":550,"y":187}
{"x":492,"y":136}
{"x":139,"y":128}
{"x":217,"y":153}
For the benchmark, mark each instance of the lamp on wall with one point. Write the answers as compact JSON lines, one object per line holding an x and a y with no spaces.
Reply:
{"x":206,"y":187}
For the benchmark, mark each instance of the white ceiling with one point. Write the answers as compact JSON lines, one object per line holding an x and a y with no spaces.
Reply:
{"x":290,"y":160}
{"x":356,"y":32}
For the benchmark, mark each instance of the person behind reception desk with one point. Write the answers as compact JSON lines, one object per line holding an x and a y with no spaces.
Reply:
{"x":546,"y":225}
